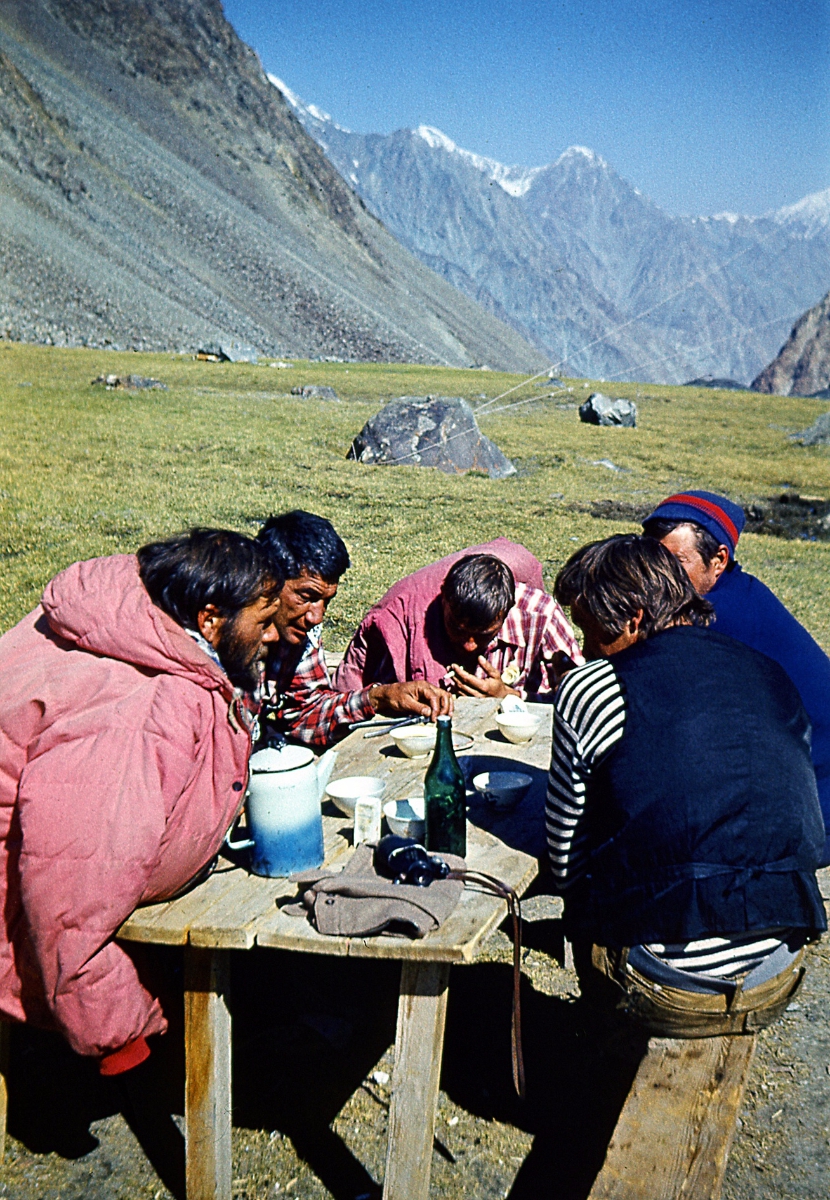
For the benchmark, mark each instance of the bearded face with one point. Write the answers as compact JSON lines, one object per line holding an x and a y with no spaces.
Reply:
{"x":241,"y":652}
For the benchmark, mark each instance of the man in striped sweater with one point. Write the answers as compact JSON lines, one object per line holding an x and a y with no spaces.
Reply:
{"x":682,"y":817}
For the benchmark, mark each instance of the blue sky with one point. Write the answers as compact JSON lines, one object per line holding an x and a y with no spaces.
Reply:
{"x":705,"y":105}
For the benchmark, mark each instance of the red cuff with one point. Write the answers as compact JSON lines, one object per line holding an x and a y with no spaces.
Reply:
{"x":126,"y":1058}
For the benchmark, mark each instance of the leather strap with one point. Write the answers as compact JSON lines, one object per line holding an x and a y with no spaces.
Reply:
{"x":514,"y":906}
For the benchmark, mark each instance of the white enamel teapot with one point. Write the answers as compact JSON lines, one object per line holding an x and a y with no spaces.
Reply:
{"x":283,"y":802}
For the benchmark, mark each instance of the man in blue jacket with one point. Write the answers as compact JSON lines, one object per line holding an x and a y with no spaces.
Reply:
{"x":702,"y":529}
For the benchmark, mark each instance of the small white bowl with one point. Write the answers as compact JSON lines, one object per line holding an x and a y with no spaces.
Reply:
{"x":504,"y":789}
{"x":416,"y":741}
{"x":406,"y":817}
{"x":517,"y":727}
{"x":346,"y":792}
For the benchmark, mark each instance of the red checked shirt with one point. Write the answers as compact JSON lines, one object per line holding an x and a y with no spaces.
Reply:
{"x":522,"y":651}
{"x":300,"y":700}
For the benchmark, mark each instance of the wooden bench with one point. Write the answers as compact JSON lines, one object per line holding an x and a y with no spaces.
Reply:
{"x":675,"y":1131}
{"x":676,"y":1128}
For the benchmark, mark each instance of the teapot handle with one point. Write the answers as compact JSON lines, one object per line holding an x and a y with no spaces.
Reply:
{"x":244,"y":845}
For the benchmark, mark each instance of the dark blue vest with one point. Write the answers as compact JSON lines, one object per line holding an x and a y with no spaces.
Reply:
{"x":704,"y":818}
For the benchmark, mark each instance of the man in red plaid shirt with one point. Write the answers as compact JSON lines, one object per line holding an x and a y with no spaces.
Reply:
{"x":300,"y":700}
{"x":476,"y":623}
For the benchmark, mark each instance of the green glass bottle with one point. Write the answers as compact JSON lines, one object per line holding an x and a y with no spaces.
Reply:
{"x":445,"y":797}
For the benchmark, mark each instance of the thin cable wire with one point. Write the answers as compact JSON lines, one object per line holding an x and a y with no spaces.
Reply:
{"x":560,"y":391}
{"x":486,"y":409}
{"x":653,"y":362}
{"x":632,"y":320}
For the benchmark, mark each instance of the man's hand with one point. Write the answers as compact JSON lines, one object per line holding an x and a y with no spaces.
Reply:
{"x":558,"y":668}
{"x":493,"y":685}
{"x":417,"y":698}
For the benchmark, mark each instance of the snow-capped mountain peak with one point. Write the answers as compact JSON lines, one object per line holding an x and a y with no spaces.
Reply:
{"x":812,"y":213}
{"x":305,"y":110}
{"x":575,"y":152}
{"x":292,"y":97}
{"x":435,"y":139}
{"x":514,"y":180}
{"x":582,"y":263}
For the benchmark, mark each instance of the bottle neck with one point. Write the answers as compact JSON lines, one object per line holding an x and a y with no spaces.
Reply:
{"x":443,"y":737}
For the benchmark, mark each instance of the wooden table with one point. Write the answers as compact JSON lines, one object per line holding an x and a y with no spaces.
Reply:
{"x":233,"y":910}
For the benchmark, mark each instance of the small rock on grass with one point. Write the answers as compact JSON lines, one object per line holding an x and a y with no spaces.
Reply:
{"x":130,"y":383}
{"x":314,"y":391}
{"x":817,"y":435}
{"x":228,"y":351}
{"x":602,"y":410}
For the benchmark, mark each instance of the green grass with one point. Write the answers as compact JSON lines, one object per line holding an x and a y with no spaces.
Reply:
{"x":85,"y":472}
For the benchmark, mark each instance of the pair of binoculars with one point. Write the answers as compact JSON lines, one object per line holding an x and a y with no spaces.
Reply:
{"x":403,"y":860}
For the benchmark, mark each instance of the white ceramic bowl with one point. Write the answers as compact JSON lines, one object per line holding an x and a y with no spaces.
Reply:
{"x":416,"y":741}
{"x":406,"y":817}
{"x":346,"y":792}
{"x":503,"y":789}
{"x":517,"y":727}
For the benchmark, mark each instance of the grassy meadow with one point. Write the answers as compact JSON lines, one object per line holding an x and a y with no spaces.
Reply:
{"x":85,"y":472}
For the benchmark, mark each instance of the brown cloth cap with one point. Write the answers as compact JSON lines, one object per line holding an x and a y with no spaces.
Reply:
{"x":357,"y":902}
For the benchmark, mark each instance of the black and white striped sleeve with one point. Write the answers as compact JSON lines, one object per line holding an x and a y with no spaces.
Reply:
{"x":589,"y":719}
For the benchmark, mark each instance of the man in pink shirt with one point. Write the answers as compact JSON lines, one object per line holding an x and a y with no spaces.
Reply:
{"x":477,"y":622}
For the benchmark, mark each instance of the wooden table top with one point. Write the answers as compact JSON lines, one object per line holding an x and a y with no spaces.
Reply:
{"x":235,"y":910}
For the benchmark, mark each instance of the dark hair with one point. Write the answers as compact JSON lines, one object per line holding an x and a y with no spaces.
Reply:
{"x":706,"y":543}
{"x":185,"y":573}
{"x":612,"y":580}
{"x":480,"y":590}
{"x":298,"y":541}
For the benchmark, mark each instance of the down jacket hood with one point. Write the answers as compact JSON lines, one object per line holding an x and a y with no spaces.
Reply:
{"x":102,"y":606}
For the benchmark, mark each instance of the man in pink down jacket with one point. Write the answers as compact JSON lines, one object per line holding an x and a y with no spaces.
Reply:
{"x":124,"y":746}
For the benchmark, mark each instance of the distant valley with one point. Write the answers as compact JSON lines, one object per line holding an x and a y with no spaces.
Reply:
{"x":581,"y":263}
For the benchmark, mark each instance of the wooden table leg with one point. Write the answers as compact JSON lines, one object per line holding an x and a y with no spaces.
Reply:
{"x":419,"y":1045}
{"x":5,"y":1030}
{"x":207,"y":1109}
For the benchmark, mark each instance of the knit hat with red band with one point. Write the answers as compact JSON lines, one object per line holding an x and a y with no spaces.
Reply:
{"x":719,"y":516}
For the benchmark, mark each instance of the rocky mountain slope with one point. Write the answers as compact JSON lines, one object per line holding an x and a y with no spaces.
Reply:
{"x":583,"y":264}
{"x":156,"y":191}
{"x":802,"y":365}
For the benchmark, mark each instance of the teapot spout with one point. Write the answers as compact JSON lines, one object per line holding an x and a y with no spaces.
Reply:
{"x":325,"y":766}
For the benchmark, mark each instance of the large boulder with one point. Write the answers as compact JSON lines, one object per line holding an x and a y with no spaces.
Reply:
{"x":430,"y":431}
{"x":602,"y":410}
{"x":234,"y":352}
{"x":818,"y":433}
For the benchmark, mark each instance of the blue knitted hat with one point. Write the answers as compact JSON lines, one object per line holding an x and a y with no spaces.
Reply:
{"x":719,"y":516}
